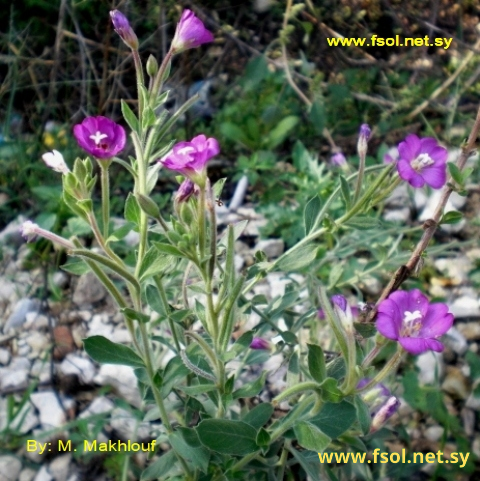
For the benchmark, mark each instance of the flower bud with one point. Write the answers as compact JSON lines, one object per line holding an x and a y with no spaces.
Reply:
{"x":148,"y":206}
{"x":338,"y":159}
{"x":56,"y":162}
{"x":152,"y":66}
{"x":363,"y":139}
{"x":384,"y":413}
{"x":259,"y":343}
{"x":122,"y":27}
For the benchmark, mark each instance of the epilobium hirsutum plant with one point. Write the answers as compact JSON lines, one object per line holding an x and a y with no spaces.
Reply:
{"x":183,"y":294}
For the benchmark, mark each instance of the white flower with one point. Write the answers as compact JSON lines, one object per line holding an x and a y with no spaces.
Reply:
{"x":55,"y":161}
{"x":29,"y":230}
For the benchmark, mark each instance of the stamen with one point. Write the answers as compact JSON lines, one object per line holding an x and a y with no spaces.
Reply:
{"x":98,"y":137}
{"x":411,"y":316}
{"x":422,"y":161}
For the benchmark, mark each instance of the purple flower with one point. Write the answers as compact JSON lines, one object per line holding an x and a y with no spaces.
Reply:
{"x":384,"y":413}
{"x":422,"y":161}
{"x":341,"y":302}
{"x":190,"y":33}
{"x":408,"y":317}
{"x":338,"y":159}
{"x":259,"y":343}
{"x":122,"y":27}
{"x":100,"y":137}
{"x":190,"y":158}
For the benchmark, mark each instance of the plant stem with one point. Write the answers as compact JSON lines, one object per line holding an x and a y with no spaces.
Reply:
{"x":105,"y":182}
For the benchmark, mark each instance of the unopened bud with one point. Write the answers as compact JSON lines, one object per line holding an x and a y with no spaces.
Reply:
{"x":122,"y":27}
{"x":384,"y":413}
{"x":363,"y":138}
{"x":152,"y":66}
{"x":148,"y":206}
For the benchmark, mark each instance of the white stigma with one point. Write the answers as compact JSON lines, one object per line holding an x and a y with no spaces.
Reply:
{"x":185,"y":150}
{"x":98,"y":137}
{"x":411,"y":316}
{"x":422,"y":161}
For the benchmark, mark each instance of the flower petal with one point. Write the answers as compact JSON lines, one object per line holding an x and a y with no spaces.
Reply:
{"x":418,"y":345}
{"x":389,"y":319}
{"x":435,"y":176}
{"x":409,"y":148}
{"x":437,"y":321}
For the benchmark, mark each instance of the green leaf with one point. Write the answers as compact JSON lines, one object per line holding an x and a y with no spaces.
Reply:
{"x":132,"y":210}
{"x":364,"y":222}
{"x":186,"y":443}
{"x":75,"y":266}
{"x":168,"y":249}
{"x":297,"y":259}
{"x":365,"y":330}
{"x":251,"y":389}
{"x":153,"y":263}
{"x":129,"y":116}
{"x":335,"y":274}
{"x":363,"y":414}
{"x":160,"y":467}
{"x":335,"y":418}
{"x":120,"y":233}
{"x":223,"y":436}
{"x":218,"y":187}
{"x":456,"y":173}
{"x":234,"y":133}
{"x":317,"y":116}
{"x":197,"y":389}
{"x":102,"y":350}
{"x":452,"y":217}
{"x":154,"y":301}
{"x":134,"y":315}
{"x":308,"y":460}
{"x":259,"y":415}
{"x":293,"y":372}
{"x":238,"y":229}
{"x":148,"y":117}
{"x":330,"y":390}
{"x":280,"y":131}
{"x":263,"y":438}
{"x":311,"y":212}
{"x":316,"y":363}
{"x":174,"y":373}
{"x":311,"y":437}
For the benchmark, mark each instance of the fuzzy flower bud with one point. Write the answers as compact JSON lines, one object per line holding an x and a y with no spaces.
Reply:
{"x":56,"y":162}
{"x":30,"y":230}
{"x":363,"y":139}
{"x":122,"y":27}
{"x":384,"y":413}
{"x":190,"y":33}
{"x":338,"y":159}
{"x":185,"y":191}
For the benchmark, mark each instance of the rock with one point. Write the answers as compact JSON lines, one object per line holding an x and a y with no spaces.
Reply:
{"x":38,"y":342}
{"x":455,"y":383}
{"x":457,"y":269}
{"x":34,"y":320}
{"x":465,"y":306}
{"x":10,"y":467}
{"x":99,"y":326}
{"x":434,"y":433}
{"x":399,"y":197}
{"x":60,"y":279}
{"x":25,"y":419}
{"x":27,"y":474}
{"x":455,"y":341}
{"x":4,"y":356}
{"x":43,"y":475}
{"x":15,"y":376}
{"x":8,"y":291}
{"x":88,"y":290}
{"x":273,"y":248}
{"x":41,"y":370}
{"x":122,"y":379}
{"x":50,"y":411}
{"x":79,"y":366}
{"x":127,"y":425}
{"x":18,"y":316}
{"x":401,"y":215}
{"x":98,"y":405}
{"x":470,"y":330}
{"x":60,"y":467}
{"x":431,"y":367}
{"x":64,"y":342}
{"x":121,"y":336}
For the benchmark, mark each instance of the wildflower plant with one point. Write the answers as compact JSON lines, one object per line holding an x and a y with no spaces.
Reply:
{"x":208,"y":427}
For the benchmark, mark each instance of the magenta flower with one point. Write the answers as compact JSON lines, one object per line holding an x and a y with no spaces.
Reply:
{"x":190,"y":158}
{"x":190,"y":33}
{"x":122,"y":27}
{"x":259,"y":344}
{"x":185,"y":191}
{"x":408,"y":317}
{"x":422,"y":161}
{"x":100,"y":137}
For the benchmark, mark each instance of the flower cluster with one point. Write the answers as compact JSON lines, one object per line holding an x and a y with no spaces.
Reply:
{"x":408,"y":317}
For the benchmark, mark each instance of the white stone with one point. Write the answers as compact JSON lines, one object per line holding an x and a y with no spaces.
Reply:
{"x":455,"y":341}
{"x":465,"y":306}
{"x":273,"y":248}
{"x":24,"y":421}
{"x":60,"y":467}
{"x":15,"y":376}
{"x":27,"y":474}
{"x":4,"y":356}
{"x":127,"y":426}
{"x":88,"y":290}
{"x":399,"y":196}
{"x":22,"y":308}
{"x":470,"y":330}
{"x":122,"y":379}
{"x":121,"y":336}
{"x":98,"y":405}
{"x":10,"y":467}
{"x":455,"y":202}
{"x":401,"y":215}
{"x":42,"y":371}
{"x":33,"y":320}
{"x":430,"y":366}
{"x":50,"y":411}
{"x":457,"y":269}
{"x":98,"y":327}
{"x":80,"y":366}
{"x":38,"y":343}
{"x":434,"y":433}
{"x":60,"y":279}
{"x":43,"y":475}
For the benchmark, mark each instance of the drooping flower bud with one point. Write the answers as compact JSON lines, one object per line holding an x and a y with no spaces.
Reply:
{"x":124,"y":30}
{"x":363,"y":139}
